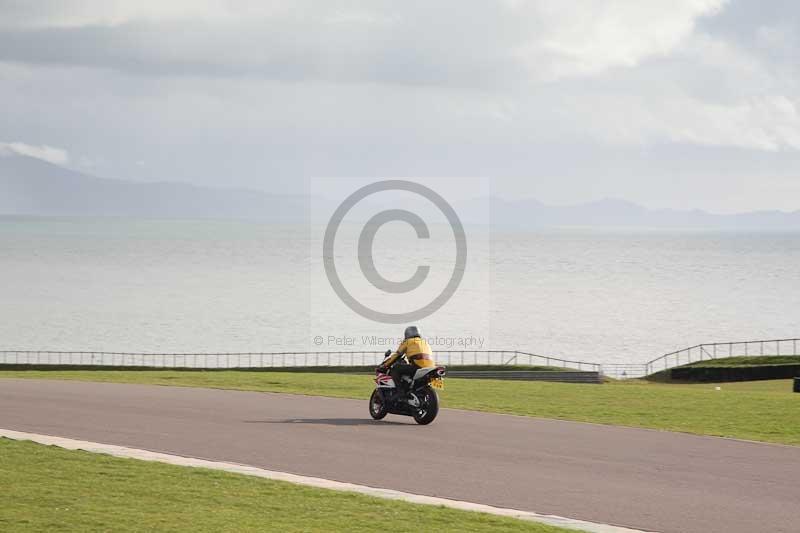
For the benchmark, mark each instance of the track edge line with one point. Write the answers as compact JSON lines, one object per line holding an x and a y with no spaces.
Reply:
{"x":236,"y":468}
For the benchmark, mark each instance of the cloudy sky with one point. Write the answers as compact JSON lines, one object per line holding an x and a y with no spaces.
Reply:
{"x":686,"y":103}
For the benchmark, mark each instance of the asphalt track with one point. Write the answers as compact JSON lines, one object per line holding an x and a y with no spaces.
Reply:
{"x":651,"y":480}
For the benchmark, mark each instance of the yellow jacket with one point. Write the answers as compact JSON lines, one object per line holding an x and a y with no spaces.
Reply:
{"x":416,"y":350}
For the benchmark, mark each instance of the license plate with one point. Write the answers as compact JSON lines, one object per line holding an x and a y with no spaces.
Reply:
{"x":437,"y":383}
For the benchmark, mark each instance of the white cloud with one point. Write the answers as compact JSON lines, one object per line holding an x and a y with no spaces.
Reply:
{"x":57,"y":156}
{"x":586,"y":37}
{"x":720,"y":94}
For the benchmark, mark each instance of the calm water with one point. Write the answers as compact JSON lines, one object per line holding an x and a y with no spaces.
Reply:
{"x":155,"y":286}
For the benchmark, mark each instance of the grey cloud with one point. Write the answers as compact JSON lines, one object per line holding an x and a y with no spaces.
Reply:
{"x":289,"y":47}
{"x":452,"y":43}
{"x":769,"y":31}
{"x":696,"y":116}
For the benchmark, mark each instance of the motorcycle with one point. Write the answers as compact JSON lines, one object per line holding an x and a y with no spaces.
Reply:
{"x":420,"y":401}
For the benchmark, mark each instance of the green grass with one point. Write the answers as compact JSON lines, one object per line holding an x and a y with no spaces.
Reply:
{"x":50,"y":489}
{"x":779,"y":386}
{"x":370,"y":369}
{"x":765,"y":410}
{"x":747,"y":361}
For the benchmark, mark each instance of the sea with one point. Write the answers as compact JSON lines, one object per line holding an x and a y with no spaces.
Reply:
{"x":212,"y":286}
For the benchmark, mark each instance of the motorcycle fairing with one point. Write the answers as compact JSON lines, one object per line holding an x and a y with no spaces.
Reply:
{"x":385,"y":381}
{"x":422,"y":372}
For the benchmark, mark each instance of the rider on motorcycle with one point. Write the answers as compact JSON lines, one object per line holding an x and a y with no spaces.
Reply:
{"x":418,"y":353}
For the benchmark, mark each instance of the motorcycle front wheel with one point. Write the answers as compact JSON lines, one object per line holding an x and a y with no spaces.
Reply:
{"x":377,"y":407}
{"x":429,"y":407}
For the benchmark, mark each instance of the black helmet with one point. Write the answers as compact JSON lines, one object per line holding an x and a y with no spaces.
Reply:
{"x":412,"y":331}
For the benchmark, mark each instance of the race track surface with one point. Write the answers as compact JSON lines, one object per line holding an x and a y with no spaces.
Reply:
{"x":652,"y":480}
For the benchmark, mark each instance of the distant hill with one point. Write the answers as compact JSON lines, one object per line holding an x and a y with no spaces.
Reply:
{"x":33,"y":187}
{"x":30,"y":186}
{"x":623,"y":214}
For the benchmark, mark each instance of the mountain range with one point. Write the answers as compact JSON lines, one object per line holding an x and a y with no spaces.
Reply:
{"x":31,"y":186}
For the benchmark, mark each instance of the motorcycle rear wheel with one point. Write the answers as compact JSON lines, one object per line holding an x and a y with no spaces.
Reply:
{"x":377,"y":407}
{"x":429,"y":407}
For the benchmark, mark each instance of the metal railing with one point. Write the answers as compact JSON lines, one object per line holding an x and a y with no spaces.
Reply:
{"x":624,"y":370}
{"x":277,"y":359}
{"x":702,"y":352}
{"x":692,"y":354}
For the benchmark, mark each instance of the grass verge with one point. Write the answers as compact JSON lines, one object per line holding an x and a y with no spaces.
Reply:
{"x":51,"y":489}
{"x":730,"y":369}
{"x":763,"y":410}
{"x":746,"y":361}
{"x":293,"y":369}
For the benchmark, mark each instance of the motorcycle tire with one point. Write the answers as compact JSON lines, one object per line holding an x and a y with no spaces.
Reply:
{"x":377,"y":407}
{"x":429,"y":409}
